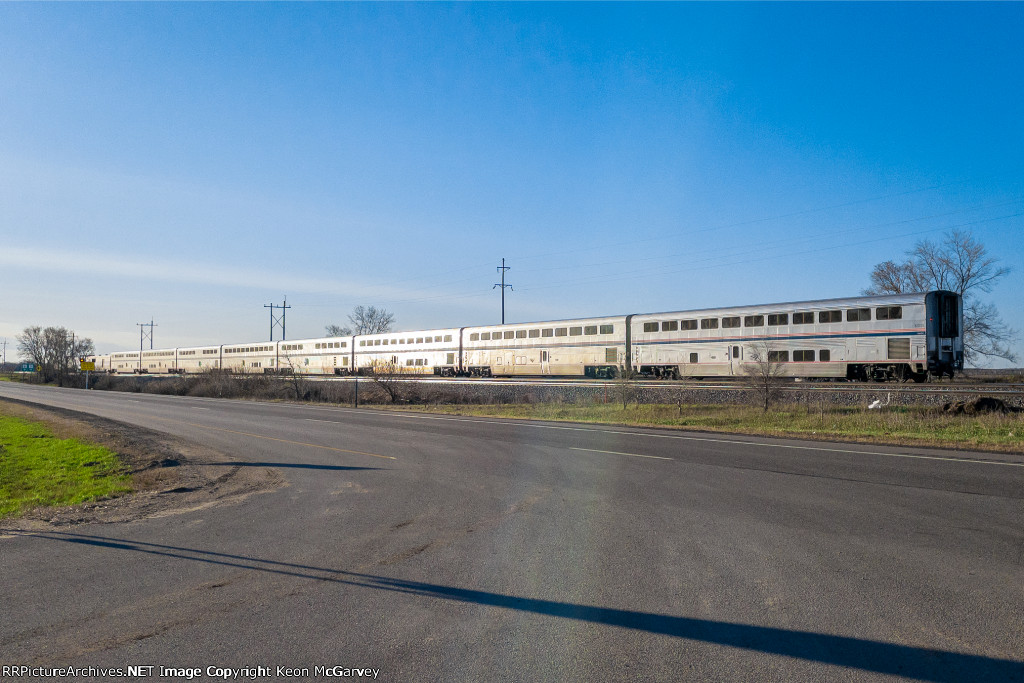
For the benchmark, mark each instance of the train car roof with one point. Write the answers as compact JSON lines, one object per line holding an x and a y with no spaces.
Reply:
{"x":534,"y":323}
{"x":815,"y":304}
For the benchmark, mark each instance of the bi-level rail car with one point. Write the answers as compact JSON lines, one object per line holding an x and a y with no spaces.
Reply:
{"x":899,"y":336}
{"x":423,"y":352}
{"x":588,"y":347}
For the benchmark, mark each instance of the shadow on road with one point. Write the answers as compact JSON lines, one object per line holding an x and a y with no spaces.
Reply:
{"x":299,"y":465}
{"x":867,"y":655}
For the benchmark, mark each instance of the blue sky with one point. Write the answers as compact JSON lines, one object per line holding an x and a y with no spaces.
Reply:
{"x":192,"y":162}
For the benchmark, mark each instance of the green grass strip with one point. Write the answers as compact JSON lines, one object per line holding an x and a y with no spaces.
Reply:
{"x":38,"y":469}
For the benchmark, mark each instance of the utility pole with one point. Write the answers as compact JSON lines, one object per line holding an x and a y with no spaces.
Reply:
{"x":3,"y":364}
{"x":142,"y":337}
{"x":502,"y":268}
{"x":278,"y":320}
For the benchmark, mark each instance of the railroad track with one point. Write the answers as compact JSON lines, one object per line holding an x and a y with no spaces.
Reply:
{"x":987,"y":388}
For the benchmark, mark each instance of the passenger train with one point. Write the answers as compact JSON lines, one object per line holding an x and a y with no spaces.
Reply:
{"x":898,"y":336}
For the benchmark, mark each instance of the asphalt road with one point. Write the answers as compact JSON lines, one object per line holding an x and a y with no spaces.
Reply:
{"x":447,"y":548}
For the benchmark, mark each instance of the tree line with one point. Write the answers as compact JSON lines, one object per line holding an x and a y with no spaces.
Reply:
{"x":55,"y":351}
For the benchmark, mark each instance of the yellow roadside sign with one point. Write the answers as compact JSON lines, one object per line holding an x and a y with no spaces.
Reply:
{"x":88,"y":365}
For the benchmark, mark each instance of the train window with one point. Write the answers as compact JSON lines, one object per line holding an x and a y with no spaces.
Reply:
{"x":408,"y":361}
{"x":803,"y":318}
{"x":447,"y":337}
{"x":561,"y":332}
{"x":753,"y":321}
{"x":419,"y":340}
{"x":520,"y":334}
{"x":778,"y":319}
{"x":419,"y":361}
{"x":451,"y":359}
{"x":610,"y":354}
{"x":731,"y":322}
{"x":318,"y":346}
{"x":650,"y":327}
{"x":607,"y":329}
{"x":590,"y":329}
{"x":533,"y":334}
{"x":669,"y":326}
{"x":344,"y":345}
{"x":889,"y":313}
{"x":509,"y":334}
{"x":437,"y":339}
{"x":824,"y":355}
{"x":687,"y":324}
{"x":386,"y":342}
{"x":549,"y":332}
{"x":803,"y":356}
{"x":778,"y":356}
{"x":496,"y":334}
{"x":376,"y":342}
{"x":830,"y":317}
{"x":858,"y":314}
{"x":693,"y":357}
{"x":485,"y":336}
{"x":709,"y":323}
{"x":575,"y":331}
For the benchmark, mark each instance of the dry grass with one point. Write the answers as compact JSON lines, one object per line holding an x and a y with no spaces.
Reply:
{"x":910,"y":426}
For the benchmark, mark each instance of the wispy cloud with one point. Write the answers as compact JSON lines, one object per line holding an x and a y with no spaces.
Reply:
{"x":181,"y":272}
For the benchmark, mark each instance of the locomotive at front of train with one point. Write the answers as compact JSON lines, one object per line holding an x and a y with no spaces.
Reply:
{"x":944,"y":330}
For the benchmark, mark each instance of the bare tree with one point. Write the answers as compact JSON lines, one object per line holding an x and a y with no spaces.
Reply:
{"x":294,"y":376}
{"x":365,"y":320}
{"x":625,"y":386}
{"x":895,"y":278}
{"x":371,"y":320}
{"x":387,"y":375}
{"x":54,"y":350}
{"x":764,"y":372}
{"x":338,"y":331}
{"x":960,"y":264}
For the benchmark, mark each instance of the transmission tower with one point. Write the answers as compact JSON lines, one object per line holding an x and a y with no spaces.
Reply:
{"x":143,"y":335}
{"x":501,"y":269}
{"x":278,"y":319}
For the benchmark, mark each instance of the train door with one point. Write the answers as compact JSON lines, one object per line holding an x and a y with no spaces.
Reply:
{"x":735,"y":356}
{"x":545,"y":362}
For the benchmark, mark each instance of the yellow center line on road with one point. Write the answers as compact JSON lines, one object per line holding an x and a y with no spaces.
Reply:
{"x":271,"y":438}
{"x":635,"y":455}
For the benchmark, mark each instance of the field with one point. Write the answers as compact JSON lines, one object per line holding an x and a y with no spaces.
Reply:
{"x":922,"y":426}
